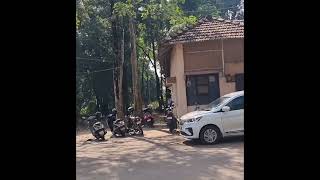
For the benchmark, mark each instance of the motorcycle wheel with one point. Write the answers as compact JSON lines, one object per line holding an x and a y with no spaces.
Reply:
{"x":149,"y":124}
{"x":119,"y":134}
{"x":140,"y":130}
{"x":102,"y":138}
{"x":171,"y":130}
{"x":171,"y":127}
{"x":123,"y":134}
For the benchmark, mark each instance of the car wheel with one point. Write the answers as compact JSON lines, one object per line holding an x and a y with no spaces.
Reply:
{"x":210,"y":135}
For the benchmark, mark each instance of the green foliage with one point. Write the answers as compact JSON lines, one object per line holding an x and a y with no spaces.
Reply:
{"x":93,"y":40}
{"x":154,"y":19}
{"x":201,"y":8}
{"x":89,"y":109}
{"x":208,"y":8}
{"x":154,"y":104}
{"x":124,"y":9}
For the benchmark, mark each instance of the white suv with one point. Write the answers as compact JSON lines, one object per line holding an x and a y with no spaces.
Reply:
{"x":223,"y":117}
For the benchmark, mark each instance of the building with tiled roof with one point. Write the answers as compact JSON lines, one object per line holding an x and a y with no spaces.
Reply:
{"x":207,"y":29}
{"x":203,"y":62}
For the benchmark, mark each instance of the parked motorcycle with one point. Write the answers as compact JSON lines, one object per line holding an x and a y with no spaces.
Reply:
{"x":148,"y":120}
{"x":133,"y":123}
{"x":111,"y":118}
{"x":130,"y":125}
{"x":171,"y":119}
{"x":96,"y":126}
{"x":119,"y":128}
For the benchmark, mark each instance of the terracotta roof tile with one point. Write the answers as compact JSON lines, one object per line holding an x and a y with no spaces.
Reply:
{"x":209,"y":30}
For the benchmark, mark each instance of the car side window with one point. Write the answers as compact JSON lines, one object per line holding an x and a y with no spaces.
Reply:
{"x":236,"y":104}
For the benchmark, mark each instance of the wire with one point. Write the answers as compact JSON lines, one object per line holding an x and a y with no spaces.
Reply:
{"x":89,"y":58}
{"x":99,"y":71}
{"x":94,"y":59}
{"x":104,"y":70}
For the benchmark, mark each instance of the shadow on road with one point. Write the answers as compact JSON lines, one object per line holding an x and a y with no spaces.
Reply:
{"x":159,"y":157}
{"x":167,"y":131}
{"x":228,"y":141}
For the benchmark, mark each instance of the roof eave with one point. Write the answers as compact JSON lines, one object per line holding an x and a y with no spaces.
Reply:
{"x":191,"y":41}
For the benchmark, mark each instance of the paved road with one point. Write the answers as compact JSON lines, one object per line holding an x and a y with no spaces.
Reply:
{"x":158,"y":156}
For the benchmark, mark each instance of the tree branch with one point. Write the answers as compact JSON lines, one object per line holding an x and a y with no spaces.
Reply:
{"x":145,"y":53}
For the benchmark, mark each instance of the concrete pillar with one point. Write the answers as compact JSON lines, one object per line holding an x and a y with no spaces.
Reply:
{"x":180,"y":85}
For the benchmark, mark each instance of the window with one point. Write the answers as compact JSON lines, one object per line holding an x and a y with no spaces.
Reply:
{"x":202,"y":85}
{"x":202,"y":89}
{"x":217,"y":102}
{"x":236,"y":104}
{"x":239,"y":82}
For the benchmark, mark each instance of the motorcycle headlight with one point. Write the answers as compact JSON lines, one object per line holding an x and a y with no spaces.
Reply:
{"x":194,"y":119}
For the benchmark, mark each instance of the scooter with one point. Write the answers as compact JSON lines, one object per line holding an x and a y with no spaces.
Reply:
{"x":148,"y":120}
{"x":96,"y":126}
{"x":171,"y":119}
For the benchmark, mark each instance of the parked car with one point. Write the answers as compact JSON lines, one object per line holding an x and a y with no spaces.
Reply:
{"x":221,"y":118}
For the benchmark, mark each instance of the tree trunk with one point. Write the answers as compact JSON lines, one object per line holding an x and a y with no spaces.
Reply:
{"x":148,"y":88}
{"x":125,"y":91}
{"x":98,"y":107}
{"x":121,"y":76}
{"x":161,"y":89}
{"x":142,"y":82}
{"x":135,"y":71}
{"x":118,"y":64}
{"x":156,"y":76}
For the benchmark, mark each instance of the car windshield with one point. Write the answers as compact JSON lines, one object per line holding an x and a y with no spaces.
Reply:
{"x":216,"y":103}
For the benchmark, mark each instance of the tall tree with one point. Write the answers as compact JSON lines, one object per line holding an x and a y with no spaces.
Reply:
{"x":100,"y":25}
{"x":93,"y":42}
{"x":157,"y":17}
{"x":128,"y":9}
{"x":135,"y":71}
{"x":118,"y":60}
